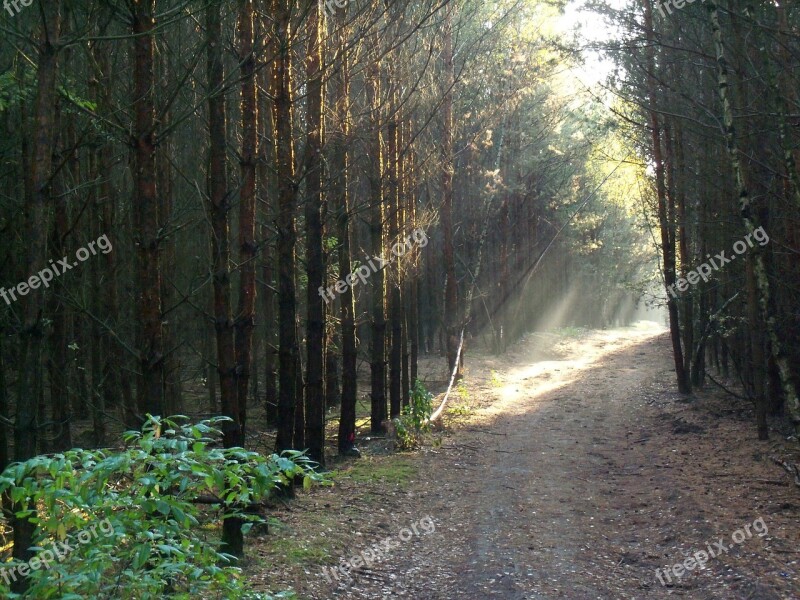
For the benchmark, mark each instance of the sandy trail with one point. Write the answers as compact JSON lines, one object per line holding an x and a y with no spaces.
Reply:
{"x":580,"y":475}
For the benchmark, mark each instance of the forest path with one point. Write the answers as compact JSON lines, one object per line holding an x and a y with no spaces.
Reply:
{"x":584,"y":475}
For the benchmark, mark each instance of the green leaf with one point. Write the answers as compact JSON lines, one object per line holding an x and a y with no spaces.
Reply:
{"x":141,"y":557}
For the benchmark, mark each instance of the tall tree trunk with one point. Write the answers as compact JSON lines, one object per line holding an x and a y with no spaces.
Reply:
{"x":29,"y":379}
{"x":451,"y":321}
{"x":287,"y":236}
{"x":58,"y":360}
{"x":667,"y":227}
{"x":413,"y":280}
{"x":97,"y":398}
{"x":235,"y":405}
{"x":268,"y":184}
{"x":150,"y":388}
{"x":115,"y":357}
{"x":340,"y":192}
{"x":395,"y":301}
{"x":173,"y":396}
{"x":377,"y":310}
{"x":675,"y":166}
{"x":402,"y":194}
{"x":245,"y":314}
{"x":315,"y":263}
{"x":219,"y":209}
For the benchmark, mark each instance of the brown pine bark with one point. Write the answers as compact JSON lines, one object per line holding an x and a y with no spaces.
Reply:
{"x":150,"y":387}
{"x":315,"y":263}
{"x":268,"y":184}
{"x":407,"y":267}
{"x":413,"y":280}
{"x":97,"y":349}
{"x":58,"y":359}
{"x":117,"y":389}
{"x":451,"y":321}
{"x":287,"y":236}
{"x":244,"y":322}
{"x":219,"y":208}
{"x":395,"y":305}
{"x":340,"y":193}
{"x":377,"y":365}
{"x":31,"y":335}
{"x":173,"y":394}
{"x":667,"y":227}
{"x":675,"y":165}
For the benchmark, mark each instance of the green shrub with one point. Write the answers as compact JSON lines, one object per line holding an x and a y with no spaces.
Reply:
{"x":413,"y":420}
{"x":154,"y":497}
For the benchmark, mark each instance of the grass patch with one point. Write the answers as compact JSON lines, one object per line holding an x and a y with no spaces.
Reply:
{"x":571,"y":332}
{"x":302,"y":554}
{"x":392,"y":470}
{"x":460,"y":409}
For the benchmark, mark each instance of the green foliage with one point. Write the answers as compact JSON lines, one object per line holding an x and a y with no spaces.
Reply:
{"x":154,"y":544}
{"x":414,"y":418}
{"x":13,"y":91}
{"x":77,"y":100}
{"x":497,"y":381}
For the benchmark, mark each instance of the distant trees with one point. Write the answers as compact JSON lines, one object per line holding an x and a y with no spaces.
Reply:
{"x":718,"y":83}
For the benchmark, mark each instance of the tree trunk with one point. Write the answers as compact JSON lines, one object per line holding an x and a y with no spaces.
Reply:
{"x":377,"y":311}
{"x":667,"y":228}
{"x":267,"y":181}
{"x":244,"y":322}
{"x":315,"y":261}
{"x":395,"y":301}
{"x":58,"y":361}
{"x":150,"y":387}
{"x":287,"y":237}
{"x":340,"y":192}
{"x":219,"y":208}
{"x":31,"y":335}
{"x":451,"y":321}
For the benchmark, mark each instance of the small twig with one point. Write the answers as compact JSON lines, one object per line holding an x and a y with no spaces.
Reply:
{"x":793,"y":470}
{"x":734,"y":394}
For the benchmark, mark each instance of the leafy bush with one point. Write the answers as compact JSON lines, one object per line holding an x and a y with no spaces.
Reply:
{"x":413,"y":420}
{"x":160,"y":498}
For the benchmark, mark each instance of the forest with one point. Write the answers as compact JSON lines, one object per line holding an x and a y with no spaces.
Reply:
{"x":278,"y":276}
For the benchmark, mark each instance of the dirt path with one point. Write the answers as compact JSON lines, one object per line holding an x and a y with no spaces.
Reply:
{"x":583,"y":477}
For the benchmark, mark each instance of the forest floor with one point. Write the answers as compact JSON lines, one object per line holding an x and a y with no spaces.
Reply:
{"x":567,"y":468}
